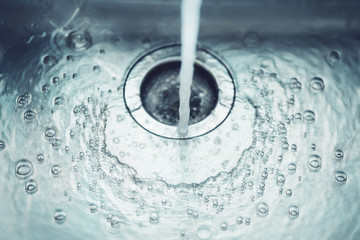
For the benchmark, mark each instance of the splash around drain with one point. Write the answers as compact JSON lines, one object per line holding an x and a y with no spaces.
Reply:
{"x":210,"y":103}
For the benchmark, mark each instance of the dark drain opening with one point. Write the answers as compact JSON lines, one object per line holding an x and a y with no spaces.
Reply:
{"x":159,"y":93}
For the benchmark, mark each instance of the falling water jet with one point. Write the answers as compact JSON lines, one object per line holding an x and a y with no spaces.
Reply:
{"x":190,"y":18}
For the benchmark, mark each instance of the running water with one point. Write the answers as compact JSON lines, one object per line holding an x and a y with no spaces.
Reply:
{"x":190,"y":18}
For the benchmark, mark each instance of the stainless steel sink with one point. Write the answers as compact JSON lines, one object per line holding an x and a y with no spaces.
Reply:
{"x":80,"y":162}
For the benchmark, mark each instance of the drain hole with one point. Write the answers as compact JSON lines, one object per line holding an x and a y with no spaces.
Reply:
{"x":159,"y":93}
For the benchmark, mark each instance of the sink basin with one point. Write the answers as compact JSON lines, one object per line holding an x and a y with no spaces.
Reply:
{"x":276,"y":157}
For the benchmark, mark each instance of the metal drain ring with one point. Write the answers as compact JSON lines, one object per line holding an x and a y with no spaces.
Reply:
{"x":151,"y":59}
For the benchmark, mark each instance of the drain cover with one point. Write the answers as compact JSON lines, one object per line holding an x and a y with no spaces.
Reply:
{"x":151,"y":92}
{"x":159,"y":93}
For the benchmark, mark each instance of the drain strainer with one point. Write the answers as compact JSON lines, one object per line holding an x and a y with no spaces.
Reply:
{"x":151,"y":92}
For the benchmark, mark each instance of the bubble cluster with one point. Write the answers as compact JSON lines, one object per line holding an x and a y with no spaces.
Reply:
{"x":50,"y":61}
{"x":295,"y":85}
{"x":84,"y":140}
{"x":23,"y":100}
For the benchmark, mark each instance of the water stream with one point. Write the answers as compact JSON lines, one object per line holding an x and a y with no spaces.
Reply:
{"x":190,"y":19}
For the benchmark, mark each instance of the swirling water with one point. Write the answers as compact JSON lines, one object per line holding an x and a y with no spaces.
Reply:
{"x":284,"y":164}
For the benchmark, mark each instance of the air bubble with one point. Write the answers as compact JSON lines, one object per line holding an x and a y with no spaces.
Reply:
{"x":224,"y":226}
{"x":288,"y":192}
{"x":23,"y":169}
{"x":29,"y":115}
{"x":31,"y":186}
{"x":93,"y":208}
{"x":204,"y":232}
{"x":96,"y":69}
{"x":55,"y":80}
{"x":293,"y":212}
{"x":60,"y":216}
{"x":333,"y":58}
{"x":313,"y":147}
{"x":56,"y":143}
{"x":314,"y":162}
{"x":56,"y":170}
{"x":262,"y":209}
{"x":154,"y":218}
{"x":298,"y":116}
{"x":59,"y":101}
{"x":79,"y":40}
{"x":40,"y":158}
{"x":340,"y":177}
{"x":309,"y":116}
{"x":2,"y":145}
{"x":317,"y":84}
{"x":280,"y":179}
{"x":189,"y":212}
{"x":77,"y":109}
{"x":338,"y":154}
{"x":69,"y":58}
{"x":50,"y":133}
